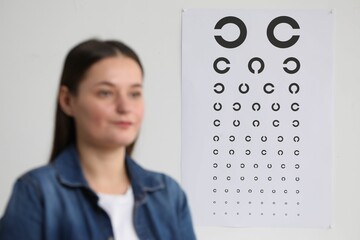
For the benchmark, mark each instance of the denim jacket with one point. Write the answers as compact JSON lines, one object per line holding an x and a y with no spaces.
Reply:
{"x":55,"y":202}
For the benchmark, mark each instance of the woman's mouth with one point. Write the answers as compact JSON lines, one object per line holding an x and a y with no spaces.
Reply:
{"x":123,"y":124}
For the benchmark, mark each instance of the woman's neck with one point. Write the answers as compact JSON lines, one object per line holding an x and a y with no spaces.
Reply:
{"x":104,"y":169}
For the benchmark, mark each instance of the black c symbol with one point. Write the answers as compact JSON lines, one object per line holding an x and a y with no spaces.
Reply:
{"x":276,"y":123}
{"x":296,"y":61}
{"x":257,"y":59}
{"x":247,"y":152}
{"x":239,"y":23}
{"x":295,"y":107}
{"x":296,"y":123}
{"x":248,"y":138}
{"x":236,"y":106}
{"x":268,"y":91}
{"x":217,"y":106}
{"x":216,"y":152}
{"x":219,"y":88}
{"x":216,"y":138}
{"x":263,"y":152}
{"x":216,"y":122}
{"x":246,"y":88}
{"x":231,"y":152}
{"x":256,"y":123}
{"x":256,"y":107}
{"x":296,"y":86}
{"x":296,"y":139}
{"x":232,"y":138}
{"x":275,"y":107}
{"x":236,"y":123}
{"x":274,"y":40}
{"x":215,"y":65}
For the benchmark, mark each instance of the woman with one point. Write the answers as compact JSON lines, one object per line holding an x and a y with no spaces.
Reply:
{"x":92,"y":189}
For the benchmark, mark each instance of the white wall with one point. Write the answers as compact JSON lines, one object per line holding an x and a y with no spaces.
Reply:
{"x":35,"y":36}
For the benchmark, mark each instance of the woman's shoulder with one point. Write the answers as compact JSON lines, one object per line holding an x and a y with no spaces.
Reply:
{"x":38,"y":175}
{"x":33,"y":185}
{"x":159,"y":183}
{"x":169,"y":181}
{"x":150,"y":177}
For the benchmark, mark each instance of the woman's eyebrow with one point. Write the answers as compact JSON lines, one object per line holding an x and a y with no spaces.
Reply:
{"x":137,"y":85}
{"x":110,"y":84}
{"x":105,"y":83}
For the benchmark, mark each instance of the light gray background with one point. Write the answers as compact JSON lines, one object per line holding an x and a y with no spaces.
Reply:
{"x":35,"y":36}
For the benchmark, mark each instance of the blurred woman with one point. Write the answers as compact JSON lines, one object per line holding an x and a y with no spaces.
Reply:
{"x":92,"y":188}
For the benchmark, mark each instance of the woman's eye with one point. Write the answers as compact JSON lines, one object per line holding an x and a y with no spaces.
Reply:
{"x":105,"y":93}
{"x":136,"y":94}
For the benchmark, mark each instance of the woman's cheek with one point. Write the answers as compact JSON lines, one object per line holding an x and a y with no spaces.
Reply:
{"x":141,"y":111}
{"x":94,"y":115}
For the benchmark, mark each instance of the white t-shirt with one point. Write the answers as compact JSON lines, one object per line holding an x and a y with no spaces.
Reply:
{"x":120,"y":210}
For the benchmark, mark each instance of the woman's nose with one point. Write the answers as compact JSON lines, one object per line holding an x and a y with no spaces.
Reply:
{"x":122,"y":105}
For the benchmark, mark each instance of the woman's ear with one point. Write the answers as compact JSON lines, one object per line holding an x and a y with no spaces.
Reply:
{"x":65,"y":100}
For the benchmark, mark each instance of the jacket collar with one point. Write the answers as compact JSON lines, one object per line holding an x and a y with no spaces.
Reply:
{"x":69,"y":171}
{"x":68,"y":168}
{"x":142,"y":181}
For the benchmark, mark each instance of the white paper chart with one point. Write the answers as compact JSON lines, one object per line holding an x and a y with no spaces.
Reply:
{"x":257,"y":99}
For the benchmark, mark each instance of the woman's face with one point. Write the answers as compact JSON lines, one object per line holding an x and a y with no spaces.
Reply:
{"x":108,"y":108}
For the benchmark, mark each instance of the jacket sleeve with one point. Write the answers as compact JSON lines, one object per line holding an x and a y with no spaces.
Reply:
{"x":23,"y":216}
{"x":184,"y":217}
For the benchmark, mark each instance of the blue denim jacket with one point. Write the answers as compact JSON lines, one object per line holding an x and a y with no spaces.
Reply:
{"x":55,"y":202}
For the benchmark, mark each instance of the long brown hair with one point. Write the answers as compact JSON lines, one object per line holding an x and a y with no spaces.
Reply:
{"x":77,"y":62}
